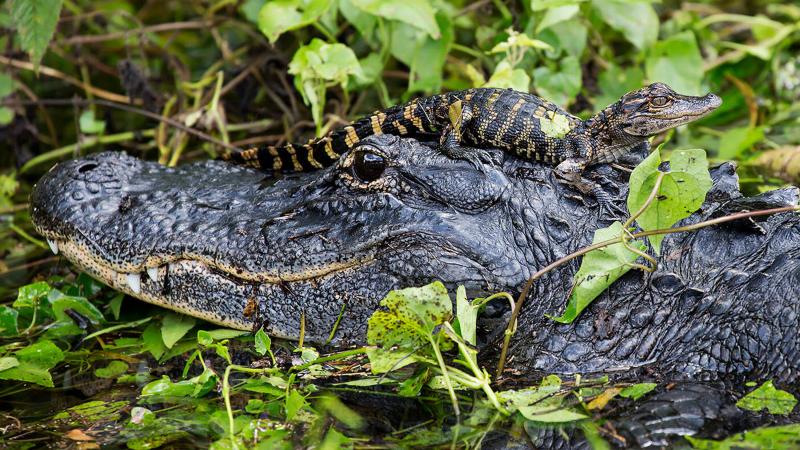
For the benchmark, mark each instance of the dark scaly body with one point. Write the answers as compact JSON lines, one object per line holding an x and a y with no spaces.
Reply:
{"x":516,"y":122}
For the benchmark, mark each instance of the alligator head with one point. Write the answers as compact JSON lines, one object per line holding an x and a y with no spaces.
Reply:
{"x":643,"y":113}
{"x":218,"y":242}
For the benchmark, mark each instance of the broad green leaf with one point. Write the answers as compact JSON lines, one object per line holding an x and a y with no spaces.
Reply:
{"x":341,"y":412}
{"x":250,"y":9}
{"x":195,"y":387}
{"x":599,"y":269}
{"x":335,"y":440}
{"x":34,"y":363}
{"x":505,"y":76}
{"x":543,"y":403}
{"x":8,"y":321}
{"x":279,"y":16}
{"x":28,"y":296}
{"x":615,"y":82}
{"x":6,"y":85}
{"x":736,"y":140}
{"x":682,"y":190}
{"x":557,"y":15}
{"x":114,"y":369}
{"x":467,"y":315}
{"x":540,"y":5}
{"x":204,"y":338}
{"x":318,"y":65}
{"x":417,"y":13}
{"x":8,"y":362}
{"x":555,"y":127}
{"x":174,"y":327}
{"x":408,"y":322}
{"x":36,"y":22}
{"x":637,"y":391}
{"x":153,"y":343}
{"x":767,"y":397}
{"x":294,"y":402}
{"x":767,"y":438}
{"x":429,"y":58}
{"x":90,"y":125}
{"x":637,"y":21}
{"x":6,"y":115}
{"x":363,"y":21}
{"x":60,"y":302}
{"x":677,"y":62}
{"x":560,"y":86}
{"x":569,"y":36}
{"x":263,"y":342}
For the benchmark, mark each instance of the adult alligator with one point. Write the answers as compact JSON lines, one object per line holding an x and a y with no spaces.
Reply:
{"x":219,"y":242}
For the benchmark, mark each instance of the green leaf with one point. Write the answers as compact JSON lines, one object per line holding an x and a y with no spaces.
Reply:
{"x":677,"y":62}
{"x":294,"y":402}
{"x":195,"y":387}
{"x":6,"y":85}
{"x":318,"y":64}
{"x":557,"y":15}
{"x":204,"y":338}
{"x":559,"y":86}
{"x":772,"y":438}
{"x":408,"y":322}
{"x":263,"y":342}
{"x":335,"y":440}
{"x":540,"y":5}
{"x":768,"y":397}
{"x":737,"y":140}
{"x":543,"y":403}
{"x":28,"y":296}
{"x":115,"y":305}
{"x":174,"y":327}
{"x":505,"y":77}
{"x":637,"y":21}
{"x":114,"y":369}
{"x":519,"y":41}
{"x":8,"y":362}
{"x":417,"y":13}
{"x":35,"y":361}
{"x":153,"y":343}
{"x":6,"y":116}
{"x":599,"y":269}
{"x":60,"y":302}
{"x":569,"y":36}
{"x":363,"y":21}
{"x":467,"y":315}
{"x":637,"y":391}
{"x":36,"y":22}
{"x":279,"y":16}
{"x":8,"y":321}
{"x":682,"y":190}
{"x":89,"y":124}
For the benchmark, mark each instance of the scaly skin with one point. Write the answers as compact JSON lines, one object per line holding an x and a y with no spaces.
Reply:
{"x":518,"y":123}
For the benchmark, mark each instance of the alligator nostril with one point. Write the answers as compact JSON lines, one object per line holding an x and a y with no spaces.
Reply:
{"x":87,"y":167}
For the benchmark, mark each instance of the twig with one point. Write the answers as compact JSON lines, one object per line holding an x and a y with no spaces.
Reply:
{"x":174,"y":26}
{"x":50,"y":72}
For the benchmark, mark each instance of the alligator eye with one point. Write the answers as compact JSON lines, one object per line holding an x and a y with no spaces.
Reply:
{"x":368,"y":166}
{"x":659,"y":101}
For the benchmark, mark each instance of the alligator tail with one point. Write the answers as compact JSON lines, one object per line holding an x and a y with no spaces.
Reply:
{"x":411,"y":119}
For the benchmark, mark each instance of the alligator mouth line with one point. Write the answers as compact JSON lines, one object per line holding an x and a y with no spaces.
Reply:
{"x":129,"y":279}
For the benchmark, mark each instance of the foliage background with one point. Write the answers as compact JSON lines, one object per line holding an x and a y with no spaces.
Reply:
{"x":180,"y":80}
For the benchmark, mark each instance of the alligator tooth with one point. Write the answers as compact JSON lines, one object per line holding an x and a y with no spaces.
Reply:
{"x":152,"y":272}
{"x":135,"y":282}
{"x":53,"y":245}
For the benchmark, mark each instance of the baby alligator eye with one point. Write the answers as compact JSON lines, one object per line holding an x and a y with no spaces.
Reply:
{"x":659,"y":101}
{"x":368,"y":166}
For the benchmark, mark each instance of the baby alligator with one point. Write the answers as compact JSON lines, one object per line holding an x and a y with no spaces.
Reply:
{"x":516,"y":122}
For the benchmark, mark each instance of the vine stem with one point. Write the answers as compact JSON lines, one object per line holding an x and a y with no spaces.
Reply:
{"x":706,"y":223}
